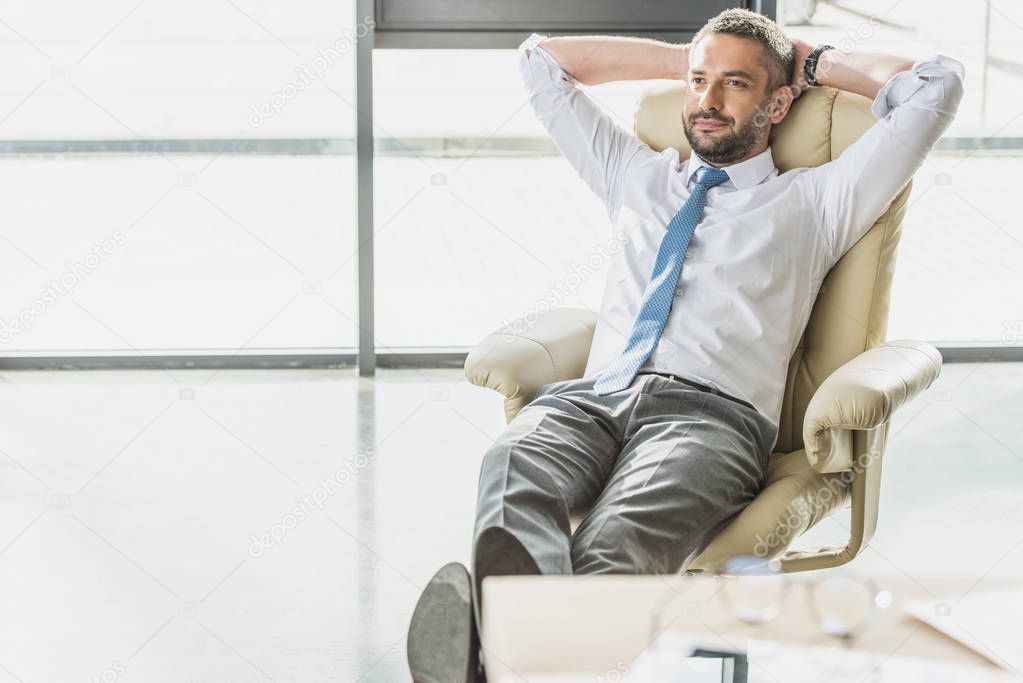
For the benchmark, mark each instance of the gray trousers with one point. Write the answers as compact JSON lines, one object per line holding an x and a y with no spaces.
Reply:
{"x":661,"y":467}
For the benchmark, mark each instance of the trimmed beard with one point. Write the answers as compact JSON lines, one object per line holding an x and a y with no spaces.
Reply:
{"x":730,"y":147}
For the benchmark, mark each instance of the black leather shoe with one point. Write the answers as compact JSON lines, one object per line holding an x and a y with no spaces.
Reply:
{"x":497,"y":553}
{"x":443,"y":646}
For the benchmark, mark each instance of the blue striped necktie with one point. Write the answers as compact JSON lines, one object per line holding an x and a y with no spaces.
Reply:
{"x":660,"y":291}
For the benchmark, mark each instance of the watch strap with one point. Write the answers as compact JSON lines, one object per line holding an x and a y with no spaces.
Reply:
{"x":810,"y":65}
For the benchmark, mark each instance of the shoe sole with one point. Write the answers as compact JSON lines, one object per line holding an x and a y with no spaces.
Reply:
{"x":442,"y":642}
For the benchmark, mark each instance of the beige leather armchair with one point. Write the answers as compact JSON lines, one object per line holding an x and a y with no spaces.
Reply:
{"x":844,"y":380}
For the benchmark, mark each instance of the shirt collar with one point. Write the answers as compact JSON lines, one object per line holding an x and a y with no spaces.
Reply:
{"x":742,"y":175}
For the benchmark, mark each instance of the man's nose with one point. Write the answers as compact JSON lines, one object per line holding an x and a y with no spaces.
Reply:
{"x":711,"y":98}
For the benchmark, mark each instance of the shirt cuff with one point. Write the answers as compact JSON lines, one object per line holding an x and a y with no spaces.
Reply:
{"x":904,"y":86}
{"x":531,"y":42}
{"x":539,"y":59}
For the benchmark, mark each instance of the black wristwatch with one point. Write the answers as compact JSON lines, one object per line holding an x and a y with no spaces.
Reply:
{"x":810,"y":65}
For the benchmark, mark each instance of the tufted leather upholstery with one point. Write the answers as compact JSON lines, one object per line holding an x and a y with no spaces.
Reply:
{"x":844,"y":380}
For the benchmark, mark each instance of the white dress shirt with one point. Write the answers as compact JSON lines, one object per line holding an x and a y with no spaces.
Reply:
{"x":757,"y":259}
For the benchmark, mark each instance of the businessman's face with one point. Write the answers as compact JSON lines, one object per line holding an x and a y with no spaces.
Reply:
{"x":728,"y":108}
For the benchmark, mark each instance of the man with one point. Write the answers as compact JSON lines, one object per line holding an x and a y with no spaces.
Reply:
{"x":668,"y":434}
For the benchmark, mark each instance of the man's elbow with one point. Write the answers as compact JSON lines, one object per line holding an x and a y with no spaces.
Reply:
{"x":950,"y":74}
{"x":952,"y":82}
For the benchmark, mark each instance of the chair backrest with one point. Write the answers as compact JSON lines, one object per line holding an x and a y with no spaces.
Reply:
{"x":850,"y":314}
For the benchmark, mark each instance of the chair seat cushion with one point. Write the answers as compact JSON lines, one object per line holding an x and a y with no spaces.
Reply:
{"x":794,"y":498}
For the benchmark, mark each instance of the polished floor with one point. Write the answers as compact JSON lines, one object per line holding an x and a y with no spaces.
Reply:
{"x":279,"y":525}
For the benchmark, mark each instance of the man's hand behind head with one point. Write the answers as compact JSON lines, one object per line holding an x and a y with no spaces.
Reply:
{"x":802,"y":50}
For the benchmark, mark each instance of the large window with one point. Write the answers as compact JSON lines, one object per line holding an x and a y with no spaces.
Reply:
{"x":496,"y":224}
{"x":181,"y":177}
{"x":504,"y":231}
{"x":164,"y":186}
{"x":958,"y":275}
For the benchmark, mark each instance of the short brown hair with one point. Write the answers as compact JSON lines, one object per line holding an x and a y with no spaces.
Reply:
{"x":780,"y":58}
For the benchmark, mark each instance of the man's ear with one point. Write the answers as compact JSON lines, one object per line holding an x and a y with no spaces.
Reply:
{"x":781,"y":101}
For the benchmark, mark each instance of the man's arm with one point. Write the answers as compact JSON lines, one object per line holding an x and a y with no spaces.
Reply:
{"x":597,"y":145}
{"x":914,"y":101}
{"x":863,"y":73}
{"x":600,"y":59}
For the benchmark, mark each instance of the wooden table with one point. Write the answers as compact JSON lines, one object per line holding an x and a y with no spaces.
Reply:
{"x":560,"y":628}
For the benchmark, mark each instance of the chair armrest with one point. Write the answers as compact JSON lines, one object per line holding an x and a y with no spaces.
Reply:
{"x":519,"y":358}
{"x":863,"y":394}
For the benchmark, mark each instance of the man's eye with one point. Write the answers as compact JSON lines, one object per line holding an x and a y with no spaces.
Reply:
{"x":737,"y":83}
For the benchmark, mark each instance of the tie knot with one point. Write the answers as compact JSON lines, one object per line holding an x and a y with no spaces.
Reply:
{"x":708,"y":176}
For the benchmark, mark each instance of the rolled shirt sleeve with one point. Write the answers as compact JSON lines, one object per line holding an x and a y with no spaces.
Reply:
{"x":598,"y":147}
{"x":913,"y":108}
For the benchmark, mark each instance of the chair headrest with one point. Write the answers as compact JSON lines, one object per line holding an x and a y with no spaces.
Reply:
{"x":819,"y":126}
